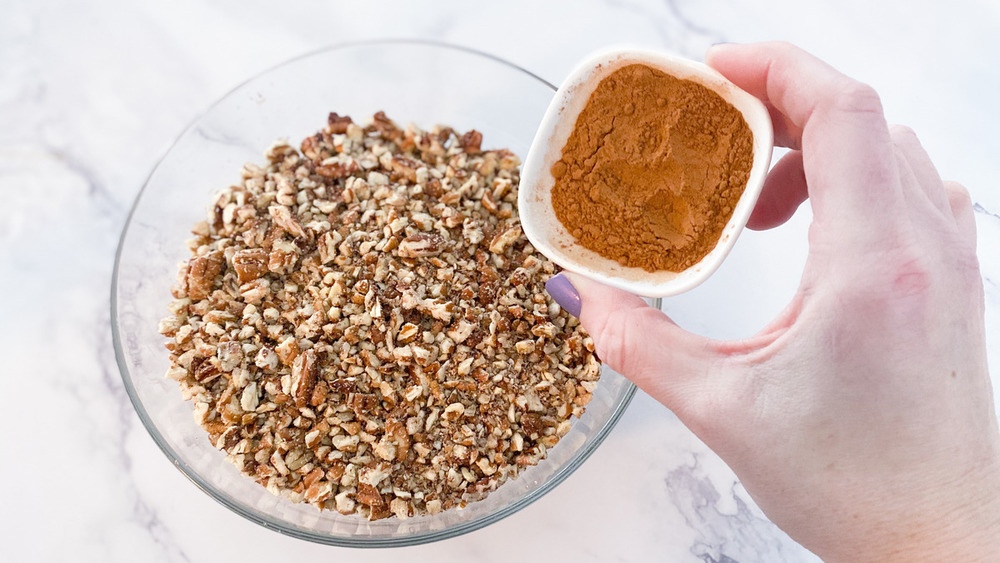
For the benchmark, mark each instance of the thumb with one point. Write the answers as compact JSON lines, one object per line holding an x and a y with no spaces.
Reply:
{"x":638,"y":341}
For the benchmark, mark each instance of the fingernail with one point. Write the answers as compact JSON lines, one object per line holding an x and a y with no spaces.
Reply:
{"x":564,"y":293}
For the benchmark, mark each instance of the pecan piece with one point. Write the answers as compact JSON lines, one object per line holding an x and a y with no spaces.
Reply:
{"x":335,"y":170}
{"x":337,"y":124}
{"x":230,"y":355}
{"x":287,"y":350}
{"x":304,"y":374}
{"x":385,"y":126}
{"x":397,"y":430}
{"x":471,"y":142}
{"x":362,"y":403}
{"x":250,"y":264}
{"x":205,"y":371}
{"x":367,"y":494}
{"x":405,"y":167}
{"x":282,"y":217}
{"x":505,"y":238}
{"x":201,"y":274}
{"x":420,"y":245}
{"x":532,"y":424}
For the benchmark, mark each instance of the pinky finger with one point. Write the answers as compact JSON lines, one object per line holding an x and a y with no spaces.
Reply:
{"x":961,"y":208}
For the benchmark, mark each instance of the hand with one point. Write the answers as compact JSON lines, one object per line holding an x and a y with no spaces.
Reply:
{"x":861,"y":419}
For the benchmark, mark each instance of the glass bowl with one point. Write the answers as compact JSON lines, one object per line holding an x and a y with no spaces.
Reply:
{"x":419,"y":82}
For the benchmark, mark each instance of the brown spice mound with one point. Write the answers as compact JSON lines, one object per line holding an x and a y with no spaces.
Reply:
{"x":363,"y":326}
{"x":652,"y":170}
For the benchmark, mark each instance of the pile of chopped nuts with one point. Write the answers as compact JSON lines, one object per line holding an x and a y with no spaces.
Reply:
{"x":363,"y":326}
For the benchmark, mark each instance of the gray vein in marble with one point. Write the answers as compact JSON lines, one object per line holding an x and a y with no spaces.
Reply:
{"x":675,"y":10}
{"x":683,"y":34}
{"x":978,"y":208}
{"x":145,"y":515}
{"x":645,"y":14}
{"x":106,"y":205}
{"x":990,"y":215}
{"x":724,"y":537}
{"x":104,"y":199}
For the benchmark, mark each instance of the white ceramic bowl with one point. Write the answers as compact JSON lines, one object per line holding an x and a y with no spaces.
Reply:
{"x":548,"y":234}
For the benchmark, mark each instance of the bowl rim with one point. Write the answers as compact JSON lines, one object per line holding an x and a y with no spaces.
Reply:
{"x":537,"y":219}
{"x":224,"y":498}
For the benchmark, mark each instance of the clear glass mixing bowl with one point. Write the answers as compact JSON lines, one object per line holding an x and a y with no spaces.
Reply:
{"x":419,"y":82}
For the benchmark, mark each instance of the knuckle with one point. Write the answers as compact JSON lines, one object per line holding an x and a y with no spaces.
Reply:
{"x":912,"y":278}
{"x":903,"y":134}
{"x":784,"y":46}
{"x":618,"y":339}
{"x":851,"y":96}
{"x":912,"y":275}
{"x":957,"y":194}
{"x":897,"y":271}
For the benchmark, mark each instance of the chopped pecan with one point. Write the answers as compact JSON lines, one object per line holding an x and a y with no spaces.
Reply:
{"x":337,"y":124}
{"x":370,"y":496}
{"x":337,"y":170}
{"x":287,"y":350}
{"x":420,"y":245}
{"x":471,"y":142}
{"x":362,"y":403}
{"x":405,"y":167}
{"x":230,"y":355}
{"x":282,"y":216}
{"x":385,"y":126}
{"x":504,"y":238}
{"x":532,"y":424}
{"x":381,"y":342}
{"x":250,"y":264}
{"x":304,"y":373}
{"x":201,"y":274}
{"x":205,"y":371}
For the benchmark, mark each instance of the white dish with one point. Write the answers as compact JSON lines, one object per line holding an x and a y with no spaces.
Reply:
{"x":538,"y":217}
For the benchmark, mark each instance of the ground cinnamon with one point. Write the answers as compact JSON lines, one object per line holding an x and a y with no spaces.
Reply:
{"x":652,"y":170}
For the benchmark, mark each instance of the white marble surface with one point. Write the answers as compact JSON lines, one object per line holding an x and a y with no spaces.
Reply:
{"x":91,"y":94}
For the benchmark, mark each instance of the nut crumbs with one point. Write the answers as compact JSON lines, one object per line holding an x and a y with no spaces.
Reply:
{"x":364,"y":327}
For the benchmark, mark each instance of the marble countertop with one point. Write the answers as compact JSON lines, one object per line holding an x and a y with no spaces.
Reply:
{"x":92,"y":94}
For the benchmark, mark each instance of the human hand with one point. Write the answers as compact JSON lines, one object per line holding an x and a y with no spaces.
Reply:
{"x":860,"y":419}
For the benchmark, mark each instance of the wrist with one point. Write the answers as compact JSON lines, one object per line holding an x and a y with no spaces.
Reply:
{"x":954,"y":523}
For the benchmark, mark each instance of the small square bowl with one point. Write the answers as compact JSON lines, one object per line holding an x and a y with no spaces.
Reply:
{"x":551,"y":238}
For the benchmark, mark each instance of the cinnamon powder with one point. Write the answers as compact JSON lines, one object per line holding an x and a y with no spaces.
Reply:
{"x":652,"y":170}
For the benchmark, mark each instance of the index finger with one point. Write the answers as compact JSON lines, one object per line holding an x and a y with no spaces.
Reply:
{"x":848,"y":155}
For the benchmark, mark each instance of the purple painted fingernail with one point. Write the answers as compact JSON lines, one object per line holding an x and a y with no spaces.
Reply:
{"x":564,"y":293}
